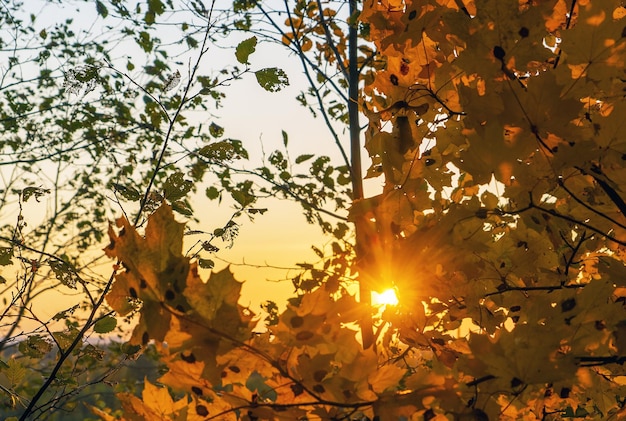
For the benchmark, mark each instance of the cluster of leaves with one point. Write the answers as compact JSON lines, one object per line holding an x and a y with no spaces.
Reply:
{"x":316,"y":34}
{"x":119,"y":101}
{"x":219,"y":366}
{"x":67,"y":96}
{"x":503,"y":212}
{"x":496,"y":126}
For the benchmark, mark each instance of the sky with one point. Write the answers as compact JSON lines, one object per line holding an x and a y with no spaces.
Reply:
{"x":281,"y":237}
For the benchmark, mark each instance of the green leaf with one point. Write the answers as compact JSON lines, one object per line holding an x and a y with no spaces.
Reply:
{"x":254,"y":211}
{"x":130,"y":349}
{"x":212,"y":193}
{"x":317,"y":251}
{"x":243,"y":197}
{"x":105,"y":325}
{"x":272,"y":79}
{"x":303,"y":158}
{"x":35,"y":192}
{"x":101,"y":9}
{"x":206,"y":263}
{"x":93,"y":352}
{"x":65,"y":339}
{"x":340,"y":231}
{"x":156,"y":6}
{"x":243,"y":5}
{"x":65,"y":313}
{"x":5,"y":256}
{"x":35,"y":347}
{"x":222,"y":151}
{"x":176,"y":187}
{"x":15,"y":373}
{"x":285,"y":138}
{"x":216,"y":130}
{"x":191,"y":41}
{"x":64,"y":273}
{"x":144,"y":41}
{"x":244,"y":49}
{"x":127,"y":192}
{"x":182,"y":207}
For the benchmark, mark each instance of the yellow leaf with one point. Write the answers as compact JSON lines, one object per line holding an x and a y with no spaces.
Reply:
{"x":103,"y":415}
{"x":386,"y":377}
{"x":159,"y":401}
{"x":307,"y":44}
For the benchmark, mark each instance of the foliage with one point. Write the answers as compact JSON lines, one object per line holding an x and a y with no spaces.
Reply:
{"x":115,"y":98}
{"x":503,"y":198}
{"x":121,"y":99}
{"x":496,"y":126}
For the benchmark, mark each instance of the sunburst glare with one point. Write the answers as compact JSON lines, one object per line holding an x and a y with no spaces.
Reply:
{"x":387,"y":297}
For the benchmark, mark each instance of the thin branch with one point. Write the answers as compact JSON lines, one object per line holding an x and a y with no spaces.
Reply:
{"x":63,"y":356}
{"x":330,"y":42}
{"x":566,"y":218}
{"x":317,"y":94}
{"x":90,"y":321}
{"x":583,"y":237}
{"x":597,"y":361}
{"x":582,"y":203}
{"x":549,"y":288}
{"x":597,"y":174}
{"x":281,"y":187}
{"x":568,"y":22}
{"x":284,"y":372}
{"x":172,"y":120}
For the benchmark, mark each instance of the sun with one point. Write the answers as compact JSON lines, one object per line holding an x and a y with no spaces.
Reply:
{"x":387,"y":297}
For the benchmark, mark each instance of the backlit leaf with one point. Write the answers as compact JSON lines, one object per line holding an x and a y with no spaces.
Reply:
{"x":176,"y":187}
{"x":101,"y":9}
{"x":272,"y":79}
{"x":6,"y":253}
{"x":244,"y":49}
{"x":105,"y":325}
{"x":15,"y":372}
{"x":64,"y":273}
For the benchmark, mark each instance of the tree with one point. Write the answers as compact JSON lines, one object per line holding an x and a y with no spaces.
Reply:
{"x":333,"y":70}
{"x":496,"y":127}
{"x":68,"y":96}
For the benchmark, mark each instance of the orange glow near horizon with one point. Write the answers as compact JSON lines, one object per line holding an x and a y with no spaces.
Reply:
{"x":387,"y":297}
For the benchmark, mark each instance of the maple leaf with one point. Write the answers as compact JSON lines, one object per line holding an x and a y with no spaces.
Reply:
{"x":155,"y":272}
{"x":156,"y":403}
{"x":215,"y":297}
{"x":386,"y":377}
{"x":159,"y":400}
{"x":595,"y":47}
{"x":500,"y":222}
